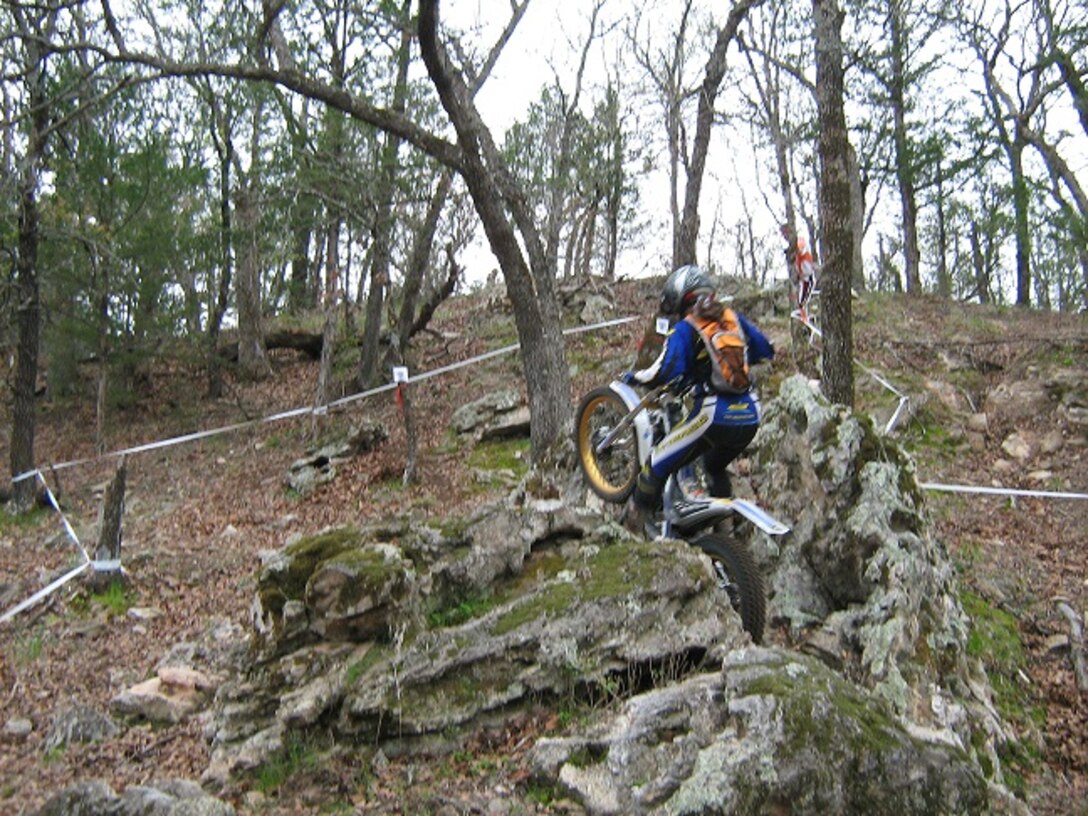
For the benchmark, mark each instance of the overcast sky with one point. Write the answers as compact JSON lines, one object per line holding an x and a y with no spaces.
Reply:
{"x":545,"y":49}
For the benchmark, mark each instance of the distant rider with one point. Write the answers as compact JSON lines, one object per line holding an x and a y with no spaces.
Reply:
{"x":802,"y":267}
{"x":720,"y":426}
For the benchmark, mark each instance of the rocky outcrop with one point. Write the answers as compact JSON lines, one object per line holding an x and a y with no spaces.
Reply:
{"x":498,"y":415}
{"x":861,"y":582}
{"x":388,"y":634}
{"x":319,"y":466}
{"x":772,"y":732}
{"x":407,"y":635}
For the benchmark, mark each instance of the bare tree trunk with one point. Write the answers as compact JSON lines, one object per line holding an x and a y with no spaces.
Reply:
{"x":1002,"y":105}
{"x":328,"y":331}
{"x":589,"y":240}
{"x":614,"y":188}
{"x":978,"y":262}
{"x":103,"y":358}
{"x":224,"y":148}
{"x":835,"y":206}
{"x":110,"y":527}
{"x":388,"y":168}
{"x":411,"y":437}
{"x":944,"y":277}
{"x":299,"y":293}
{"x":1021,"y":197}
{"x":422,"y":247}
{"x":530,"y":285}
{"x":27,"y":290}
{"x":904,"y":161}
{"x":252,"y":359}
{"x":857,"y":203}
{"x":688,"y":233}
{"x":559,"y":183}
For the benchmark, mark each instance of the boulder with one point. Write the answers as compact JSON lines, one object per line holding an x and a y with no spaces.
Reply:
{"x":174,"y":797}
{"x":773,"y":731}
{"x":169,"y":697}
{"x":78,"y":723}
{"x":1019,"y":446}
{"x":558,"y":602}
{"x":319,"y":465}
{"x":481,"y":416}
{"x":1018,"y":400}
{"x":336,"y":585}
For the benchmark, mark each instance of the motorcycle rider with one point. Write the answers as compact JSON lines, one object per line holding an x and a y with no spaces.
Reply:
{"x":720,"y":426}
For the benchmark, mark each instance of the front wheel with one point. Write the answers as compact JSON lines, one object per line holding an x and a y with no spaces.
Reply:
{"x":737,"y":575}
{"x":612,"y":471}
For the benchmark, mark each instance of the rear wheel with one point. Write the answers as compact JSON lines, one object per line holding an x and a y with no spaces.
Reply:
{"x":613,"y":471}
{"x":737,"y":575}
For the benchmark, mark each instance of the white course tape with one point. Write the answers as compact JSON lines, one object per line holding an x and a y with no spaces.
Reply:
{"x":314,"y":410}
{"x":71,"y":533}
{"x":903,"y":398}
{"x":44,"y":592}
{"x":1001,"y":491}
{"x":319,"y":410}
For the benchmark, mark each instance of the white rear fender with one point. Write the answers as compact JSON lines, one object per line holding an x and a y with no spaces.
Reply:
{"x":644,"y":432}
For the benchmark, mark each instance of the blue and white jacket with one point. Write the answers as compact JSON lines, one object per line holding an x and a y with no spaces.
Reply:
{"x":685,"y":364}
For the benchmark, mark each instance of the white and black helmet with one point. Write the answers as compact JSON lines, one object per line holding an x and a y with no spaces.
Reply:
{"x":683,"y":287}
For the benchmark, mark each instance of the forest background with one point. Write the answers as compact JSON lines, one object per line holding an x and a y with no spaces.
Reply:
{"x":175,"y":169}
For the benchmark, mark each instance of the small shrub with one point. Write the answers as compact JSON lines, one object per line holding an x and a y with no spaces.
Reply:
{"x":297,"y":755}
{"x":461,"y":612}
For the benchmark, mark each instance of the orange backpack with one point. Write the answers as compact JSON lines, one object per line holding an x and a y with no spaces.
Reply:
{"x":728,"y":349}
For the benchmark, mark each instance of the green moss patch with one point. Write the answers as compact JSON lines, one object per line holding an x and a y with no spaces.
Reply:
{"x":461,"y":611}
{"x":377,"y":654}
{"x":305,"y":555}
{"x":803,"y":703}
{"x":504,"y":454}
{"x":995,"y":640}
{"x":615,"y":571}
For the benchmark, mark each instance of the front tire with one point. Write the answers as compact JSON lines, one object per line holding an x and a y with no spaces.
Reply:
{"x":613,"y":472}
{"x":737,"y":575}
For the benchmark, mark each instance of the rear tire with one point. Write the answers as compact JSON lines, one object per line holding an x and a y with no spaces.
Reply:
{"x":611,"y":473}
{"x":737,"y":575}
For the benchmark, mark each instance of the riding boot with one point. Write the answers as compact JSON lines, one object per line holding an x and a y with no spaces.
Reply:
{"x":721,"y":485}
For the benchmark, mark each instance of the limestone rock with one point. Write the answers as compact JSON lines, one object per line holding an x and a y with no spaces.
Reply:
{"x":174,"y":797}
{"x":772,"y":730}
{"x":1018,"y":446}
{"x":571,"y":601}
{"x":319,"y":466}
{"x":17,"y":728}
{"x":860,"y":574}
{"x":480,"y":416}
{"x":170,"y":697}
{"x":978,"y":423}
{"x":406,"y":635}
{"x":1016,"y":400}
{"x":78,"y":723}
